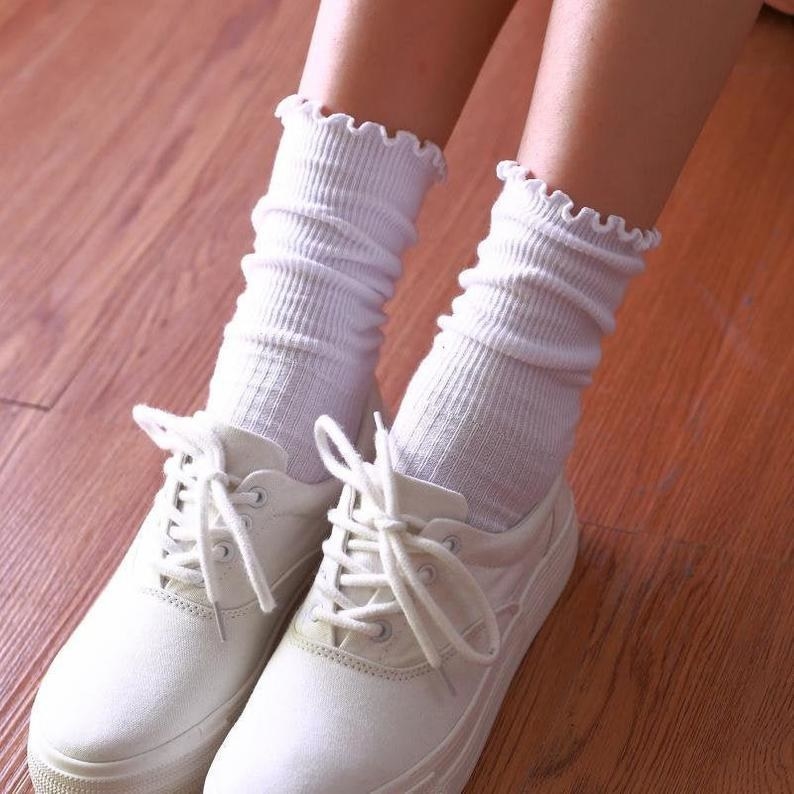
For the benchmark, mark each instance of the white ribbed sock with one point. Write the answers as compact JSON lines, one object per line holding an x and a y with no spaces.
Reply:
{"x":338,"y":214}
{"x":491,"y":411}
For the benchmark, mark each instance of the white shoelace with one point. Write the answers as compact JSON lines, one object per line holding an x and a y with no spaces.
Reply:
{"x":388,"y":534}
{"x":198,"y":466}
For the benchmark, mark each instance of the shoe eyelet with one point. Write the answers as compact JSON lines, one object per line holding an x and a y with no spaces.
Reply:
{"x":247,"y":522}
{"x":385,"y":631}
{"x":451,"y":543}
{"x":427,"y":573}
{"x":225,"y":551}
{"x":311,"y":613}
{"x":261,"y":496}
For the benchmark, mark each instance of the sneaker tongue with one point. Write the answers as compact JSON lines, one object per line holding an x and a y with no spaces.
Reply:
{"x":419,"y":498}
{"x":414,"y":498}
{"x":246,"y":452}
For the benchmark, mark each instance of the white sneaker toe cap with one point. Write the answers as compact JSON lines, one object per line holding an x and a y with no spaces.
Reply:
{"x":126,"y":682}
{"x":314,"y":725}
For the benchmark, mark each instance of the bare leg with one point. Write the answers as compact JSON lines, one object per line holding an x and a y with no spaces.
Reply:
{"x":408,"y":65}
{"x":623,"y":90}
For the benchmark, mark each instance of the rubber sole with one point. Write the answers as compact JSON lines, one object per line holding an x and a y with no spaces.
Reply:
{"x":50,"y":778}
{"x":448,"y":768}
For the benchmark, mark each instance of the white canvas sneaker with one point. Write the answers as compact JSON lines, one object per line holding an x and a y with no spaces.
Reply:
{"x":143,"y":692}
{"x":392,"y":672}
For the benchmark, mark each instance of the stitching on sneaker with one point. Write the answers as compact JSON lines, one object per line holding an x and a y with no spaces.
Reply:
{"x":197,"y":609}
{"x":361,"y":665}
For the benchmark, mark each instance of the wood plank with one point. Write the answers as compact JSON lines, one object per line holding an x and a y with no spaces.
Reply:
{"x":688,"y":427}
{"x":17,"y":422}
{"x":662,"y":668}
{"x":86,"y":201}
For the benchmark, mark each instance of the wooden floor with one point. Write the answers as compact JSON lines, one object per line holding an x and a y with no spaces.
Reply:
{"x":136,"y":138}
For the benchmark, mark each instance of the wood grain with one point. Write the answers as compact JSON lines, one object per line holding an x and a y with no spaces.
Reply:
{"x":113,"y":152}
{"x":691,"y":418}
{"x":16,"y":422}
{"x":139,"y":137}
{"x":663,"y":668}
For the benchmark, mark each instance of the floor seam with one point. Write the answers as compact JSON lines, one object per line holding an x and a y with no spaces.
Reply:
{"x":685,"y":542}
{"x":10,"y":401}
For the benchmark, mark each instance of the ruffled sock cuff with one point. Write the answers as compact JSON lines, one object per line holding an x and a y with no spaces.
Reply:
{"x":537,"y":200}
{"x":404,"y":143}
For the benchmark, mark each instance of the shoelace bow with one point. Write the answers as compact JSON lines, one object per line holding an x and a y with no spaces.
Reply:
{"x":202,"y":480}
{"x":388,"y":534}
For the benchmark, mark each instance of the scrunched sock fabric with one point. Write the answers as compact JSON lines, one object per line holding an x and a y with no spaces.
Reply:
{"x":330,"y":232}
{"x":492,"y":409}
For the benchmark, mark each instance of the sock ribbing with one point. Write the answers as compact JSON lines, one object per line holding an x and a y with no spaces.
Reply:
{"x":492,"y":409}
{"x":339,"y":212}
